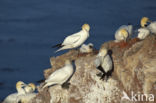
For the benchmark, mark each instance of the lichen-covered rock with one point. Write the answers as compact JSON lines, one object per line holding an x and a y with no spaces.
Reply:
{"x":134,"y":71}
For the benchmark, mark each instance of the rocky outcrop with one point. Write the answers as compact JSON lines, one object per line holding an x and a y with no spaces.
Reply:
{"x":134,"y":72}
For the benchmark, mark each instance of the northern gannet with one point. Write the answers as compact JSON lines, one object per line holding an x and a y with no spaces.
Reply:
{"x":128,"y":28}
{"x":13,"y":97}
{"x":151,"y":25}
{"x":86,"y":48}
{"x":61,"y":75}
{"x":30,"y":88}
{"x":121,"y":34}
{"x":103,"y":62}
{"x":75,"y":40}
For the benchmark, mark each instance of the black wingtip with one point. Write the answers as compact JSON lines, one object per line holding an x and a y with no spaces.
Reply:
{"x":57,"y":46}
{"x":41,"y":81}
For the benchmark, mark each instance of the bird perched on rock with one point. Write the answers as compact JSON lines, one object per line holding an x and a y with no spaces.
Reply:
{"x":60,"y":76}
{"x":86,"y":48}
{"x":103,"y":62}
{"x":121,"y":34}
{"x":75,"y":40}
{"x":20,"y":91}
{"x":128,"y":28}
{"x":151,"y":25}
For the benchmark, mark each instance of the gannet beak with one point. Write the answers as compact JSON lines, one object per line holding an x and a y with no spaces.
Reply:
{"x":23,"y":85}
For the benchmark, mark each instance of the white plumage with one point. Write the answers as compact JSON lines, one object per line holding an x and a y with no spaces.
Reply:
{"x":152,"y":27}
{"x":61,"y":75}
{"x":103,"y":62}
{"x":12,"y":98}
{"x":86,"y":48}
{"x":128,"y":28}
{"x":143,"y":33}
{"x":26,"y":98}
{"x":121,"y":34}
{"x":75,"y":40}
{"x":30,"y":88}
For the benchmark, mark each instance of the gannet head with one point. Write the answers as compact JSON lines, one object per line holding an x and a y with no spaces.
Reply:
{"x":32,"y":85}
{"x":144,"y":21}
{"x":67,"y":62}
{"x":86,"y":27}
{"x":103,"y":52}
{"x":19,"y":86}
{"x":124,"y":33}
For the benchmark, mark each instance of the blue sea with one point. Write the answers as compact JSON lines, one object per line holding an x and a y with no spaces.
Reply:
{"x":28,"y":29}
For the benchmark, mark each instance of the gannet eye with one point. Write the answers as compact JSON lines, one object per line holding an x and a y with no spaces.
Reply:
{"x":90,"y":46}
{"x":145,"y":25}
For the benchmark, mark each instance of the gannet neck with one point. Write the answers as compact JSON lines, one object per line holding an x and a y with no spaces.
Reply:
{"x":86,"y":27}
{"x":144,"y":21}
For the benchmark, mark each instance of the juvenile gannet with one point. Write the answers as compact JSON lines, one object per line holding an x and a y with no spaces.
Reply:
{"x":30,"y":88}
{"x":103,"y":62}
{"x":20,"y":91}
{"x":61,"y":75}
{"x":75,"y":40}
{"x":143,"y":33}
{"x":151,"y":25}
{"x":86,"y":48}
{"x":120,"y":35}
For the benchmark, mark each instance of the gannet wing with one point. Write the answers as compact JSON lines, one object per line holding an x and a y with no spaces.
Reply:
{"x":97,"y":62}
{"x":72,"y":39}
{"x":57,"y":76}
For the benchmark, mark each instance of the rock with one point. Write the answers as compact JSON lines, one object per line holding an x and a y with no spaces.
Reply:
{"x":134,"y":72}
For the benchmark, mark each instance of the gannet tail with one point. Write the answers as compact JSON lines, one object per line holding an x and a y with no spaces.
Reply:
{"x":57,"y":46}
{"x":59,"y":49}
{"x":48,"y":84}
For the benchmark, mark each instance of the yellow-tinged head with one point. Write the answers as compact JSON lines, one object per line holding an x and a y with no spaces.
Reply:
{"x":124,"y":33}
{"x":32,"y":85}
{"x":103,"y":52}
{"x":19,"y":84}
{"x":86,"y":27}
{"x":144,"y":21}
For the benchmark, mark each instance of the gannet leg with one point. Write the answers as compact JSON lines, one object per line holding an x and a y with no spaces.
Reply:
{"x":65,"y":85}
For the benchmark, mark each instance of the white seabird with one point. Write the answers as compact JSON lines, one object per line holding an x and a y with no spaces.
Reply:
{"x":13,"y":97}
{"x":128,"y":28}
{"x":30,"y":88}
{"x":151,"y":25}
{"x":121,"y":34}
{"x":61,"y":75}
{"x":143,"y":33}
{"x":103,"y":62}
{"x":86,"y":48}
{"x":75,"y":40}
